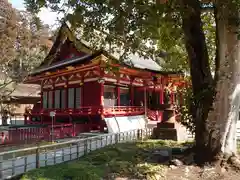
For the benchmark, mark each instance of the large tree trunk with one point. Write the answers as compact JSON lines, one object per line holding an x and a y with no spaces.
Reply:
{"x":202,"y":81}
{"x":223,"y":118}
{"x":217,"y":135}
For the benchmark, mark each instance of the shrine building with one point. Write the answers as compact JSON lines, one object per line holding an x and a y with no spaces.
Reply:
{"x":88,"y":88}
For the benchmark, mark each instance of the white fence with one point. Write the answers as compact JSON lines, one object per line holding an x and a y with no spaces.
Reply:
{"x":14,"y":163}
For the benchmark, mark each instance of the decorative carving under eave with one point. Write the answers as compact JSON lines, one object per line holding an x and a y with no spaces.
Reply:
{"x":108,"y":72}
{"x":78,"y":75}
{"x":89,"y":74}
{"x":71,"y":77}
{"x":75,"y":78}
{"x":138,"y":80}
{"x":61,"y":80}
{"x":48,"y":82}
{"x":96,"y":73}
{"x":125,"y":77}
{"x":149,"y":83}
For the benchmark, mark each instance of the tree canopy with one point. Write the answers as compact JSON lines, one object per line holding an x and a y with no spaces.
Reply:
{"x":149,"y":27}
{"x":24,"y":44}
{"x":24,"y":41}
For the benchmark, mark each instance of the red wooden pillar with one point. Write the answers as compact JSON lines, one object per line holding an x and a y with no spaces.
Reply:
{"x":145,"y":101}
{"x":82,"y":91}
{"x":162,"y":91}
{"x":101,"y":123}
{"x":101,"y":88}
{"x":66,"y":93}
{"x":53,"y":95}
{"x":132,"y":95}
{"x":161,"y":95}
{"x":102,"y":94}
{"x":41,"y":100}
{"x":118,"y":95}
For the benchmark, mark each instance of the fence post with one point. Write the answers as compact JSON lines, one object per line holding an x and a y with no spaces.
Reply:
{"x":25,"y":164}
{"x":101,"y":143}
{"x":85,"y":146}
{"x":70,"y":149}
{"x":116,"y":138}
{"x":90,"y":145}
{"x":138,"y":134}
{"x":54,"y":155}
{"x":77,"y":150}
{"x":37,"y":158}
{"x":1,"y":167}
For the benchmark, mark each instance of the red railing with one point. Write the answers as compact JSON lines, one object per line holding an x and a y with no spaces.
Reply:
{"x":91,"y":110}
{"x":30,"y":135}
{"x":155,"y":115}
{"x":80,"y":111}
{"x":123,"y":110}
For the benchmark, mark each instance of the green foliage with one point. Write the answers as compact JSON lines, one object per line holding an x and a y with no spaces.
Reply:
{"x":136,"y":26}
{"x":23,"y":41}
{"x":186,"y":110}
{"x":209,"y":29}
{"x":121,"y":160}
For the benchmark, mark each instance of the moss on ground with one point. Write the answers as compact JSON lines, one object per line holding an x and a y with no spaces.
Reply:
{"x":121,"y":160}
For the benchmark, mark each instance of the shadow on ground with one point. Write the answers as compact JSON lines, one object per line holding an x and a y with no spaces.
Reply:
{"x":147,"y":160}
{"x":138,"y":160}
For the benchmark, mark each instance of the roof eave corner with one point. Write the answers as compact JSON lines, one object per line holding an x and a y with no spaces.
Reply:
{"x":103,"y":58}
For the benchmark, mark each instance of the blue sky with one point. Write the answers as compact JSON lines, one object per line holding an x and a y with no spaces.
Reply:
{"x":45,"y":15}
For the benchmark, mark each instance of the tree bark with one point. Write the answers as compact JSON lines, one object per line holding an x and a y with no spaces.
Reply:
{"x":202,"y":80}
{"x":223,"y":118}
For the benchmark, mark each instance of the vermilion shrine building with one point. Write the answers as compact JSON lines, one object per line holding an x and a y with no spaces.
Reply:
{"x":85,"y":87}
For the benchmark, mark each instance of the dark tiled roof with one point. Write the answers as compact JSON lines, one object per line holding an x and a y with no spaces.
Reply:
{"x":133,"y":60}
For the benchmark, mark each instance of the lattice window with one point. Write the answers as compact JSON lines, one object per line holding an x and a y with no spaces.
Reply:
{"x":138,"y":99}
{"x":74,"y":97}
{"x":71,"y":98}
{"x":50,"y":96}
{"x":57,"y":98}
{"x":110,"y":99}
{"x":63,"y":98}
{"x":77,"y":97}
{"x":124,"y":97}
{"x":45,"y":99}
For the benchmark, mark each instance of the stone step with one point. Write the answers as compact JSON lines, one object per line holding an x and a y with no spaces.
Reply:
{"x":165,"y":133}
{"x":166,"y":125}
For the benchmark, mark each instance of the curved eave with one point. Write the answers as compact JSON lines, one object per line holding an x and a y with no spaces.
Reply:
{"x":61,"y":64}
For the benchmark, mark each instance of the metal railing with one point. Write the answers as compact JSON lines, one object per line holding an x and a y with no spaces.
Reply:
{"x":13,"y":163}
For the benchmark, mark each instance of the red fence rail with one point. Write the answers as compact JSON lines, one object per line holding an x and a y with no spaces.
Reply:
{"x":32,"y":134}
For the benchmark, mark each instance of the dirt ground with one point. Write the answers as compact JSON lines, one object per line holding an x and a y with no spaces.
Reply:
{"x":192,"y":172}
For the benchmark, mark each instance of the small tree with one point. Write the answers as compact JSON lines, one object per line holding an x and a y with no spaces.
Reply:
{"x":23,"y":41}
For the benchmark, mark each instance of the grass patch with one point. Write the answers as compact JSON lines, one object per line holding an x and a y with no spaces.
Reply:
{"x":121,"y":160}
